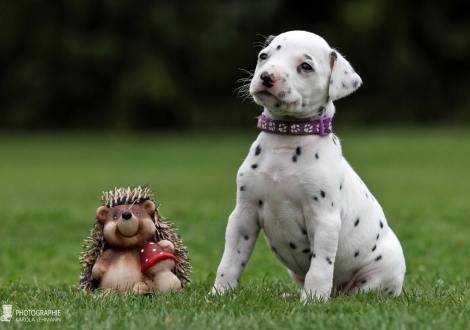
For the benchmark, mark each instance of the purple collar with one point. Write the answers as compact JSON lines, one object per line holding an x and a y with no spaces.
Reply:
{"x":322,"y":126}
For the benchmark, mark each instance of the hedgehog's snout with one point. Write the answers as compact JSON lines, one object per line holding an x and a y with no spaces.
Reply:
{"x":126,"y":215}
{"x":128,"y":225}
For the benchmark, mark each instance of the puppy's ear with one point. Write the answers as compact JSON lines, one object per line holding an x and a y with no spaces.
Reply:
{"x":268,"y":40}
{"x":344,"y":80}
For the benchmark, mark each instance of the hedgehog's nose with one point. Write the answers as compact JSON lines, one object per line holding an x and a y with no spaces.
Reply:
{"x":126,"y":215}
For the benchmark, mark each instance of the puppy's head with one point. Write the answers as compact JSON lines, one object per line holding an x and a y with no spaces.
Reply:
{"x":299,"y":75}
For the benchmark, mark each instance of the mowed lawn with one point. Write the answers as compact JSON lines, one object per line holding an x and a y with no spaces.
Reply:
{"x":51,"y":186}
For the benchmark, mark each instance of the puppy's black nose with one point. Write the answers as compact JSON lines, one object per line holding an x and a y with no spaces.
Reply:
{"x":267,"y":79}
{"x":126,"y":215}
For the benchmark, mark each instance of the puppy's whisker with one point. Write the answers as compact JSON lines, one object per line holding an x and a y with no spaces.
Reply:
{"x":244,"y":90}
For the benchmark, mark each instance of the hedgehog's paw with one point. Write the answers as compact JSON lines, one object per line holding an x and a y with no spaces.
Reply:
{"x":140,"y":287}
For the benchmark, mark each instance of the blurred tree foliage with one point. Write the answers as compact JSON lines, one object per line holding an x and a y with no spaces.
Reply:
{"x":173,"y":64}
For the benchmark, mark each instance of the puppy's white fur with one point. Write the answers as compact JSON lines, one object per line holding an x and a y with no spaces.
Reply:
{"x":318,"y":217}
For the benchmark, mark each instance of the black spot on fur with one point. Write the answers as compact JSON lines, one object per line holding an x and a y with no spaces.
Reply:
{"x":329,"y":261}
{"x":378,"y":258}
{"x":378,"y":235}
{"x":313,"y":255}
{"x":241,"y":174}
{"x":332,"y":205}
{"x":278,"y":47}
{"x":315,"y":198}
{"x":298,"y":151}
{"x":331,"y":82}
{"x":355,"y":83}
{"x":322,"y":193}
{"x":254,"y":166}
{"x":257,"y":150}
{"x":238,"y":251}
{"x":316,"y":155}
{"x":242,"y":188}
{"x":303,"y":230}
{"x":289,"y":91}
{"x":381,"y":224}
{"x":221,"y":275}
{"x":281,"y":95}
{"x":356,"y":253}
{"x":243,"y":264}
{"x":320,"y":110}
{"x":292,"y":245}
{"x":367,"y":196}
{"x":260,"y":202}
{"x":356,"y":222}
{"x":343,"y":84}
{"x":373,"y":249}
{"x":340,"y":187}
{"x":307,"y":250}
{"x":246,"y":237}
{"x":294,"y":158}
{"x":304,"y":103}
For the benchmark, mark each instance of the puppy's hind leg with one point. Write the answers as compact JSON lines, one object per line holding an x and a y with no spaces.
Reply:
{"x":240,"y":238}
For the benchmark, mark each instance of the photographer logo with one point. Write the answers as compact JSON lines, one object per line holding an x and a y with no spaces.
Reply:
{"x":7,"y":313}
{"x":29,"y":315}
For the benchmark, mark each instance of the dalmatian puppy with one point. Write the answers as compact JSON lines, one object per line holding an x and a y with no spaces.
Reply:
{"x":318,"y":217}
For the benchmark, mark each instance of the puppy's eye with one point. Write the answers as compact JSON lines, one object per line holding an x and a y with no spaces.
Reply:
{"x":263,"y":56}
{"x":306,"y":67}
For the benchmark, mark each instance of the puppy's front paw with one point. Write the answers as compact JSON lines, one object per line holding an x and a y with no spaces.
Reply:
{"x":219,"y":289}
{"x":309,"y":296}
{"x":216,"y":291}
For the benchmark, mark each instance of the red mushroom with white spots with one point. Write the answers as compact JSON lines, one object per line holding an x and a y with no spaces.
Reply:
{"x":157,"y":261}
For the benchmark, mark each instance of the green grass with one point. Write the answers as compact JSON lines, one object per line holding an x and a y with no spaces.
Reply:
{"x":51,"y":185}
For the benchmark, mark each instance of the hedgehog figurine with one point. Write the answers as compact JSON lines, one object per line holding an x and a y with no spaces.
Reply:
{"x":132,"y":248}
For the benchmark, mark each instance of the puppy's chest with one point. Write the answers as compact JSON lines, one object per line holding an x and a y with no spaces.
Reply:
{"x":273,"y":173}
{"x":281,"y":176}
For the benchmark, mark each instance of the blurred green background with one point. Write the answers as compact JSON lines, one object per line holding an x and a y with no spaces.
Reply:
{"x":159,"y":65}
